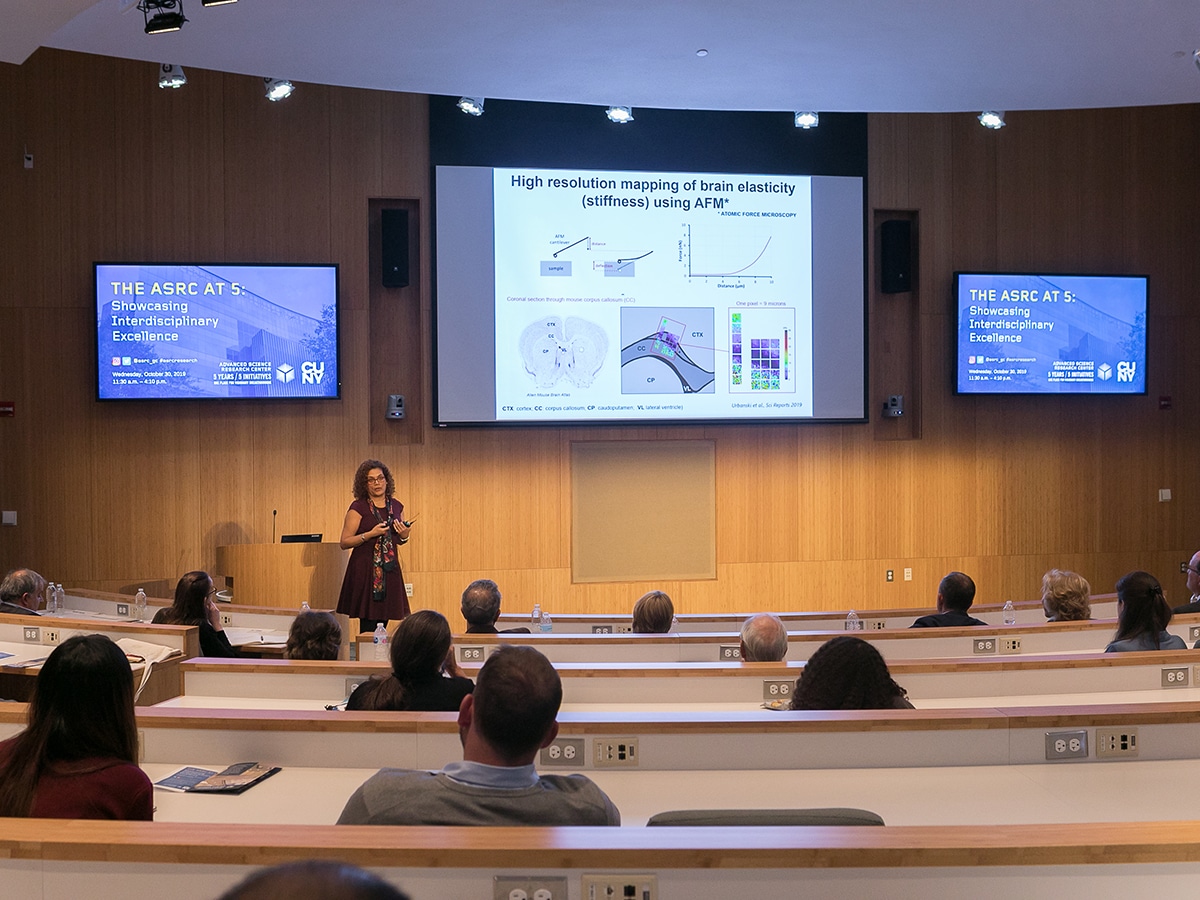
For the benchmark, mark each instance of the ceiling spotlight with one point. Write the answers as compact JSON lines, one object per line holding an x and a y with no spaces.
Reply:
{"x":472,"y":106}
{"x":278,"y":88}
{"x":168,"y":15}
{"x":806,"y":119}
{"x":170,"y":76}
{"x":992,"y":118}
{"x":216,"y":2}
{"x":619,"y":114}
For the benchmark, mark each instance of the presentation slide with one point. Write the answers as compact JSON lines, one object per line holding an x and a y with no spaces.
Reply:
{"x":216,"y":331}
{"x":1051,"y":334}
{"x":642,"y":296}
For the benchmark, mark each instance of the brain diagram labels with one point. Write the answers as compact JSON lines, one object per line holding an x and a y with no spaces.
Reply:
{"x":555,"y":349}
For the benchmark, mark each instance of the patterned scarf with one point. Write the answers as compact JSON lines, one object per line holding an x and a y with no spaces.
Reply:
{"x":384,"y":558}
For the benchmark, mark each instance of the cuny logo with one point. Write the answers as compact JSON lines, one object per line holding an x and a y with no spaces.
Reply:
{"x":311,"y":372}
{"x":1126,"y":370}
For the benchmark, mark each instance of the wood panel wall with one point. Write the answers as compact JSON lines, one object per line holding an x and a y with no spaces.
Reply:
{"x":111,"y":496}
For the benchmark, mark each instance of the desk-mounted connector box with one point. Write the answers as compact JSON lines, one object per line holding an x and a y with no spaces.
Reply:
{"x":470,"y":654}
{"x":983,"y":645}
{"x":563,"y":751}
{"x":729,"y":652}
{"x":777,"y":689}
{"x":615,"y":753}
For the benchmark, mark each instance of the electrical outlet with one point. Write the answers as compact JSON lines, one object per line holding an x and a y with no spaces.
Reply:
{"x":122,"y":609}
{"x":602,"y":629}
{"x":529,"y":887}
{"x":226,"y":619}
{"x":51,"y":635}
{"x":874,"y":624}
{"x":983,"y":645}
{"x":908,"y":574}
{"x":727,"y":652}
{"x":1066,"y":745}
{"x":625,"y":629}
{"x":33,"y":634}
{"x":470,"y":654}
{"x":619,"y":887}
{"x":891,"y":575}
{"x":1116,"y":742}
{"x":1175,"y":676}
{"x":408,"y":589}
{"x":1194,"y":633}
{"x":352,"y":683}
{"x":563,"y":752}
{"x":1010,"y":645}
{"x":775,"y":690}
{"x":610,"y":753}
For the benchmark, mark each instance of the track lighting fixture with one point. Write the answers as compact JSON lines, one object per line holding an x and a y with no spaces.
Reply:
{"x":278,"y":88}
{"x":472,"y":106}
{"x":992,"y":118}
{"x":806,"y":119}
{"x":171,"y":76}
{"x":162,"y":15}
{"x":620,"y":114}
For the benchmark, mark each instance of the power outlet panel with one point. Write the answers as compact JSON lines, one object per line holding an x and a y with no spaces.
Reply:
{"x":122,"y":609}
{"x":602,"y":629}
{"x":983,"y":645}
{"x":1116,"y":743}
{"x":1175,"y":676}
{"x":729,"y":652}
{"x":33,"y":634}
{"x":615,"y":753}
{"x":470,"y":654}
{"x":564,"y":752}
{"x":226,"y":619}
{"x":529,"y":887}
{"x":408,"y":589}
{"x":874,"y":624}
{"x":1194,"y":633}
{"x":890,"y":575}
{"x":50,"y":635}
{"x":619,"y":887}
{"x":777,"y":690}
{"x":352,"y":683}
{"x":625,"y":629}
{"x":1066,"y":745}
{"x":1010,"y":645}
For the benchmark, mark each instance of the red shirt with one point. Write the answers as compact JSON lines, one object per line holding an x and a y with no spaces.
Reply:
{"x":92,"y":788}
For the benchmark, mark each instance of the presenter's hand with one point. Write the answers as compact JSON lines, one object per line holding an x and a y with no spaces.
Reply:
{"x":379,"y":529}
{"x":402,"y":530}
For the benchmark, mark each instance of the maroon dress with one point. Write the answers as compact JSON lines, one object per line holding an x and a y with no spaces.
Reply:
{"x":356,"y":599}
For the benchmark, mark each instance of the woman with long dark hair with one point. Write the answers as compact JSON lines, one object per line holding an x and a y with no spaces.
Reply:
{"x":373,"y":530}
{"x":1143,"y":615}
{"x":194,"y":605}
{"x":78,"y":757}
{"x":424,"y":675}
{"x":847,"y":673}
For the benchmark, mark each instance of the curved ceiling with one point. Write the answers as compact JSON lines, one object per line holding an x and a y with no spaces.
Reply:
{"x":854,"y":55}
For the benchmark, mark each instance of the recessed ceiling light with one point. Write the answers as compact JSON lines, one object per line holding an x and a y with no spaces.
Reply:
{"x":702,"y":52}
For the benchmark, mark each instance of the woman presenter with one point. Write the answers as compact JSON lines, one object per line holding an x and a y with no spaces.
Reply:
{"x":373,"y":589}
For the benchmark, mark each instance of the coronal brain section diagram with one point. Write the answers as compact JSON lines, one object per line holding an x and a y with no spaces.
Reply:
{"x":554,"y":348}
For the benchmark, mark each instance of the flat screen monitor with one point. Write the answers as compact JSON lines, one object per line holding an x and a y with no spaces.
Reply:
{"x":206,"y":331}
{"x":1038,"y":333}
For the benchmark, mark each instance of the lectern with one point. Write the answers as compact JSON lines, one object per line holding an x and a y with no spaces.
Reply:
{"x":284,"y":575}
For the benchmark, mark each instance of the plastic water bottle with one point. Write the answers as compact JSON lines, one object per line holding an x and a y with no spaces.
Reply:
{"x":1010,"y":614}
{"x":304,"y":607}
{"x":60,"y":598}
{"x":51,"y":599}
{"x":536,"y":618}
{"x":139,"y":606}
{"x":381,"y":642}
{"x":853,"y":622}
{"x":545,"y":623}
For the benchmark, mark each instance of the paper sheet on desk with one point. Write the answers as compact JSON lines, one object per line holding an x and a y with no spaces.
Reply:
{"x":240,"y":637}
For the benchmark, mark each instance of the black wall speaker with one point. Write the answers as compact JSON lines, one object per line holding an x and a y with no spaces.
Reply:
{"x":394,"y":232}
{"x":895,"y":256}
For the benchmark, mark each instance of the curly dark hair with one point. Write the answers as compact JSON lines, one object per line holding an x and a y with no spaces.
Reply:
{"x":315,"y":634}
{"x":360,"y":479}
{"x":847,"y":673}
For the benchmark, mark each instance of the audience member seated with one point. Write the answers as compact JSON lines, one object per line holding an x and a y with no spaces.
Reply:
{"x":77,"y":759}
{"x":502,"y":726}
{"x":764,"y":639}
{"x":481,"y":608}
{"x":21,"y":592}
{"x":424,"y":677}
{"x":956,"y":593}
{"x":1066,"y":596}
{"x":1192,"y":575}
{"x":1142,"y":616}
{"x":313,"y":879}
{"x":847,"y":673}
{"x":315,"y":634}
{"x":194,"y":605}
{"x":654,"y":613}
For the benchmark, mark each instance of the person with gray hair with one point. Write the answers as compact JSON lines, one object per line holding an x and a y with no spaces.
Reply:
{"x":21,"y":592}
{"x":481,"y":608}
{"x":764,"y":639}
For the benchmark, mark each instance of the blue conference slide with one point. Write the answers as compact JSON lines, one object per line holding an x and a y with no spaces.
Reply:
{"x":1051,"y":334}
{"x":216,"y":331}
